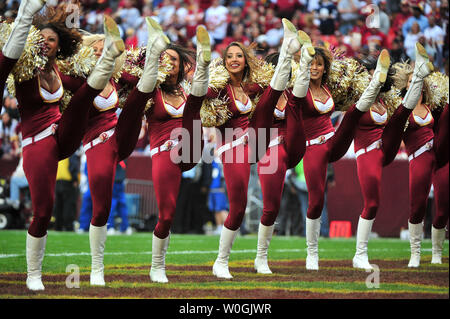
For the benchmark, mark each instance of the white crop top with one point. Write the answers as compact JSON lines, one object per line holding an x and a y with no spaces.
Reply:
{"x":324,"y":107}
{"x":244,"y":108}
{"x":48,"y":97}
{"x":51,"y":97}
{"x":425,"y":121}
{"x":105,"y":103}
{"x":378,"y":118}
{"x":173,"y":111}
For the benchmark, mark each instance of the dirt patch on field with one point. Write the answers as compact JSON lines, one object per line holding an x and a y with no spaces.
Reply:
{"x":290,"y":280}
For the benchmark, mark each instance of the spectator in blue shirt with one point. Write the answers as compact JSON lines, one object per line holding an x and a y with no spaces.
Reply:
{"x":418,"y":17}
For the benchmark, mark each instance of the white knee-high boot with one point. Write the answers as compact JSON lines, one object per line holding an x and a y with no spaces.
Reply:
{"x":422,"y":68}
{"x":415,"y":240}
{"x":157,"y":42}
{"x":303,"y":74}
{"x":290,"y":46}
{"x":220,"y":267}
{"x":97,"y":240}
{"x":113,"y":48}
{"x":312,"y":242}
{"x":378,"y":79}
{"x":35,"y":254}
{"x":264,"y":237}
{"x":159,"y":250}
{"x":201,"y":74}
{"x":437,"y":242}
{"x":361,"y":260}
{"x":16,"y":41}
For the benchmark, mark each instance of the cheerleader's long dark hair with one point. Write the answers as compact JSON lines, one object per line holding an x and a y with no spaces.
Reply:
{"x":57,"y":19}
{"x":187,"y":61}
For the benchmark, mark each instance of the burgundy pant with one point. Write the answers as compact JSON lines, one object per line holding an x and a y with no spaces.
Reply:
{"x":420,"y":177}
{"x":237,"y":175}
{"x":237,"y":170}
{"x":272,"y":184}
{"x":191,"y":116}
{"x":317,"y":157}
{"x":287,"y":156}
{"x":40,"y":159}
{"x":441,"y":143}
{"x":441,"y":190}
{"x":295,"y":133}
{"x":369,"y":165}
{"x":393,"y":134}
{"x":441,"y":173}
{"x":262,"y":119}
{"x":102,"y":159}
{"x":166,"y":177}
{"x":166,"y":174}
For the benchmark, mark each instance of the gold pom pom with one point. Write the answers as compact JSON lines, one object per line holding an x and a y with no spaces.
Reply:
{"x":81,"y":64}
{"x":436,"y":86}
{"x":392,"y":100}
{"x":149,"y":104}
{"x":218,"y":75}
{"x":347,"y":81}
{"x":11,"y":87}
{"x":135,"y":61}
{"x":65,"y":101}
{"x":262,"y":73}
{"x":214,"y":112}
{"x":33,"y":58}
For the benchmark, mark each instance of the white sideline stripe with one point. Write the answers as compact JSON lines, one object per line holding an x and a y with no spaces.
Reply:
{"x":189,"y":252}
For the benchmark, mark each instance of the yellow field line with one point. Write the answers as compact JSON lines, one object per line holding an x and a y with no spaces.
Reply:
{"x":255,"y":285}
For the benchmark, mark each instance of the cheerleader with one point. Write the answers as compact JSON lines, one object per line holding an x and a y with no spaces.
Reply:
{"x":49,"y":136}
{"x":236,"y":152}
{"x":441,"y":187}
{"x":323,"y":144}
{"x":285,"y":151}
{"x":419,"y":140}
{"x":376,"y":141}
{"x":172,"y":110}
{"x":109,"y":140}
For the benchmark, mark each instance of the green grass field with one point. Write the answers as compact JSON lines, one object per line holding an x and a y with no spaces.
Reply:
{"x":189,"y":262}
{"x":64,"y":248}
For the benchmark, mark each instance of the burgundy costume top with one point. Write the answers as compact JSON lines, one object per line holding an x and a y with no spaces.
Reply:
{"x":369,"y":129}
{"x":316,"y":116}
{"x":239,"y":110}
{"x":418,"y":132}
{"x":38,"y":108}
{"x":162,"y":118}
{"x":103,"y":116}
